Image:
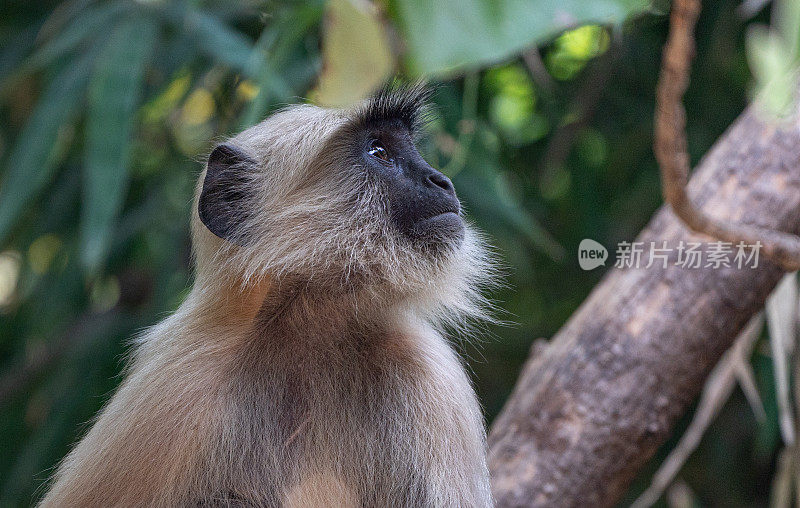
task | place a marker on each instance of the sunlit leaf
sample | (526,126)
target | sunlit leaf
(356,53)
(573,49)
(246,91)
(33,158)
(444,35)
(113,97)
(160,106)
(787,21)
(774,69)
(198,108)
(10,263)
(42,252)
(513,106)
(584,42)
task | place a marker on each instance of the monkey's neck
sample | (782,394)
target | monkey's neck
(294,306)
(297,334)
(302,308)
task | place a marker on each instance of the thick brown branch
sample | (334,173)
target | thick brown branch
(672,155)
(592,409)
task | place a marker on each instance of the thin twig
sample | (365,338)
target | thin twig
(781,492)
(747,381)
(781,320)
(533,60)
(673,157)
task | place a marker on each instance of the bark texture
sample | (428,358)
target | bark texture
(589,411)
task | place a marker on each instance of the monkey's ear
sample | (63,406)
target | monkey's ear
(224,199)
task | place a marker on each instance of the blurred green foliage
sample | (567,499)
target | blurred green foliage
(774,55)
(107,108)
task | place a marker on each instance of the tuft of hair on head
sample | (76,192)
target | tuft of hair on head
(396,101)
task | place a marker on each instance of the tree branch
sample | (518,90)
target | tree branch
(590,411)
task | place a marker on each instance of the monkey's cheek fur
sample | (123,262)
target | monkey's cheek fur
(444,230)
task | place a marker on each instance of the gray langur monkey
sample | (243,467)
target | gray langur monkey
(307,366)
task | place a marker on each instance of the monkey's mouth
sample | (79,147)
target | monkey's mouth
(442,228)
(439,209)
(444,217)
(430,222)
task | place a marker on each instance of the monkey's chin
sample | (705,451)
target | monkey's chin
(442,230)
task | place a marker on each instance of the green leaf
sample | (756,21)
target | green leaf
(15,48)
(273,51)
(113,98)
(444,35)
(774,70)
(212,35)
(34,156)
(787,23)
(487,196)
(90,23)
(219,41)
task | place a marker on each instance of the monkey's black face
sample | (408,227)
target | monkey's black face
(422,201)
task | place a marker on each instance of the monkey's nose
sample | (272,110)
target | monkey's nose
(438,179)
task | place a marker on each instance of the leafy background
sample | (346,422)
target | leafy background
(108,108)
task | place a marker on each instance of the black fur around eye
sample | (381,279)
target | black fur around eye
(376,149)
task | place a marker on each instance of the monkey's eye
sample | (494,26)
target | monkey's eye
(376,149)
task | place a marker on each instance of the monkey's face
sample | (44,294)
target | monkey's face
(422,203)
(336,194)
